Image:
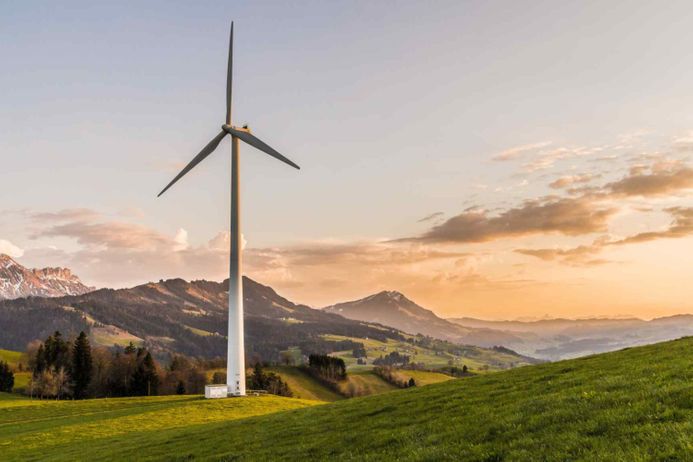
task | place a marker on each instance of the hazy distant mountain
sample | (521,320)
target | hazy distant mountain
(17,281)
(568,338)
(551,339)
(393,309)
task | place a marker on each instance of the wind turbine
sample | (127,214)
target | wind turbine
(235,366)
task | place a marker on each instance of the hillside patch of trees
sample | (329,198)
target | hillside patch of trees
(394,377)
(73,369)
(267,381)
(328,370)
(392,359)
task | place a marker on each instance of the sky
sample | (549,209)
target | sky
(496,159)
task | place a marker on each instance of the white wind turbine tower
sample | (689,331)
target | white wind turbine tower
(235,367)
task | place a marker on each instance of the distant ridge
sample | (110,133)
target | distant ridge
(561,338)
(394,309)
(17,281)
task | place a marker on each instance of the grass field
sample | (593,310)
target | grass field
(424,377)
(10,357)
(631,405)
(304,386)
(483,359)
(365,383)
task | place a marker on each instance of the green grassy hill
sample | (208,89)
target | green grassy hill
(10,357)
(476,358)
(14,358)
(304,386)
(631,405)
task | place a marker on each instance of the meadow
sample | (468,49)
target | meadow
(477,359)
(631,405)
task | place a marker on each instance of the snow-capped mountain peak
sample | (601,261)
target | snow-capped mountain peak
(16,281)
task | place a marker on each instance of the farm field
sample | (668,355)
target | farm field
(631,405)
(479,360)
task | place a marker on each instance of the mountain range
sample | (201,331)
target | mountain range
(550,339)
(184,317)
(554,339)
(18,281)
(190,318)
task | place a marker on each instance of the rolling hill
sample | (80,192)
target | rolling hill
(634,404)
(180,316)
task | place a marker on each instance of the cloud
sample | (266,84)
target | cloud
(582,255)
(588,210)
(181,239)
(72,214)
(430,217)
(570,180)
(569,216)
(110,235)
(661,181)
(378,254)
(518,151)
(118,253)
(680,226)
(684,143)
(8,248)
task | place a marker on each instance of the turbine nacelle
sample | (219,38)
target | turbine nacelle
(230,129)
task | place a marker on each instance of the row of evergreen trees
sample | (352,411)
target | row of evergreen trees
(393,359)
(327,367)
(74,369)
(61,368)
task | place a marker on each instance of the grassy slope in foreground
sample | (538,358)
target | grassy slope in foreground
(631,405)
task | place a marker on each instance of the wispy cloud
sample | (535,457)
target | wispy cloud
(430,217)
(8,248)
(519,151)
(570,180)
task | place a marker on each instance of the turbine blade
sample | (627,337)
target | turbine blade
(259,144)
(207,150)
(229,79)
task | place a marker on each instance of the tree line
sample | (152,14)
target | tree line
(392,359)
(394,377)
(328,367)
(73,369)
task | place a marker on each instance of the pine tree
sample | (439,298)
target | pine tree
(81,366)
(40,364)
(145,380)
(180,388)
(6,377)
